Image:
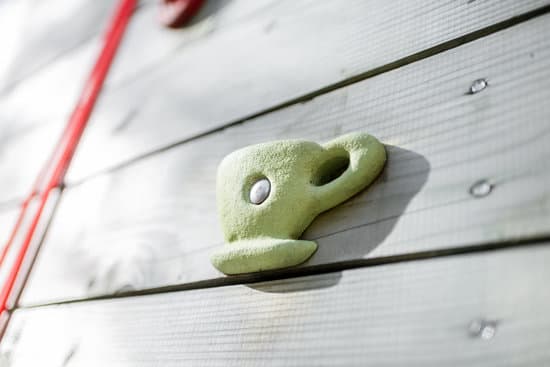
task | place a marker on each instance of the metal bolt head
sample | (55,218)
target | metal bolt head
(481,188)
(488,331)
(478,85)
(259,192)
(483,329)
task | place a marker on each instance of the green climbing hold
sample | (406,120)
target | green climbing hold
(269,193)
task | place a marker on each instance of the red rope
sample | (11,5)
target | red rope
(54,172)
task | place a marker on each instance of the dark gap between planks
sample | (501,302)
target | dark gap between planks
(337,266)
(442,47)
(282,274)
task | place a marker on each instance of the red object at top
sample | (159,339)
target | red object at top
(175,13)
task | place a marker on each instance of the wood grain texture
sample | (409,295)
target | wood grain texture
(35,33)
(488,309)
(278,53)
(32,117)
(47,52)
(148,46)
(45,71)
(154,223)
(8,217)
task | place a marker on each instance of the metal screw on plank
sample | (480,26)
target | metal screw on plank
(483,329)
(478,85)
(481,188)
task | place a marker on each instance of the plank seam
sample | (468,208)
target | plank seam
(308,270)
(52,174)
(418,56)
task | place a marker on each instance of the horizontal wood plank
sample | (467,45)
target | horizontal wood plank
(8,218)
(281,51)
(487,309)
(49,70)
(34,34)
(154,223)
(48,51)
(214,18)
(32,117)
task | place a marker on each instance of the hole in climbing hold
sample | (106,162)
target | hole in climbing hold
(260,191)
(330,170)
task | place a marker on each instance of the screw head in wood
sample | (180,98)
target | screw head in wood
(478,85)
(259,192)
(481,188)
(483,329)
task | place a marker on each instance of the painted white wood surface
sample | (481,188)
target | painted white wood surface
(276,51)
(487,309)
(34,34)
(48,48)
(32,117)
(8,218)
(154,223)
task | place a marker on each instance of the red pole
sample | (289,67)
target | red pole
(54,172)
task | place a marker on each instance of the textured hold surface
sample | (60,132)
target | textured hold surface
(259,254)
(306,180)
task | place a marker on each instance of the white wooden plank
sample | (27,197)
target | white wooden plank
(32,117)
(35,33)
(280,52)
(45,71)
(11,261)
(8,217)
(148,46)
(154,223)
(488,309)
